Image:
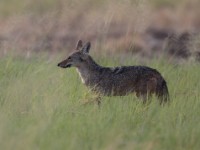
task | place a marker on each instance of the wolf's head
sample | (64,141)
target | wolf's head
(78,57)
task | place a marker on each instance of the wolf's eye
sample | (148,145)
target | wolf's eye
(69,58)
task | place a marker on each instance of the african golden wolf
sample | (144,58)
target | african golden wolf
(116,81)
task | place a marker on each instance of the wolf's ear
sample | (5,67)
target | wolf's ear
(79,45)
(86,47)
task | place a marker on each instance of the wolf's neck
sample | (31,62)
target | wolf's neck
(89,72)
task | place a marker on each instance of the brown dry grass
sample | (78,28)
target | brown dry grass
(139,26)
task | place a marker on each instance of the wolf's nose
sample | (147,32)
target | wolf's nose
(58,65)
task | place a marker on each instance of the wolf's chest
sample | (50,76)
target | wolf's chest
(87,78)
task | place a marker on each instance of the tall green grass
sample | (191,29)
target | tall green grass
(41,108)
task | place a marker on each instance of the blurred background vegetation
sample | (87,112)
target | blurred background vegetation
(148,28)
(41,105)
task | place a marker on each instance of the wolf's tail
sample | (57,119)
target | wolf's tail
(162,91)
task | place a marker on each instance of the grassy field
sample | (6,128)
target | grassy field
(40,108)
(41,105)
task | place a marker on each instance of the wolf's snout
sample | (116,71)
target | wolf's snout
(64,65)
(58,65)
